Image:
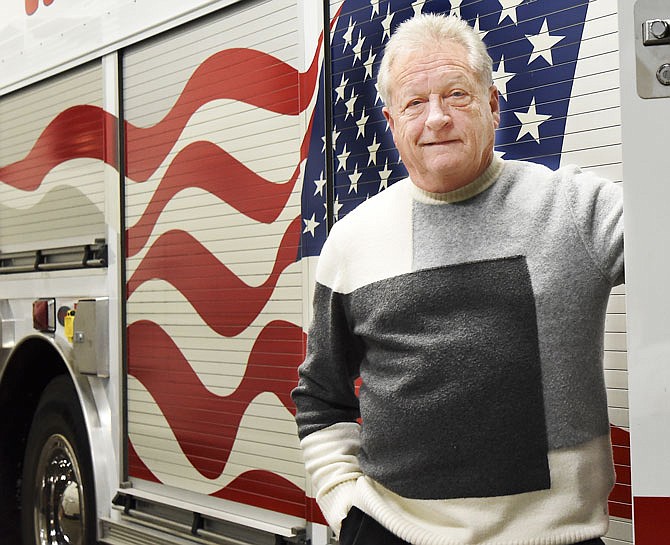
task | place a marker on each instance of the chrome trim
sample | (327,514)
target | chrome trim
(60,500)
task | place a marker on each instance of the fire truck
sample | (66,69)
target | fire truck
(168,174)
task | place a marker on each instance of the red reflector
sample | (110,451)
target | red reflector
(44,315)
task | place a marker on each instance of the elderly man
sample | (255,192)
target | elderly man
(473,311)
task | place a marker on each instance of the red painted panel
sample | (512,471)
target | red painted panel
(652,520)
(620,498)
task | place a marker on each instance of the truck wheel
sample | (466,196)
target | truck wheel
(57,494)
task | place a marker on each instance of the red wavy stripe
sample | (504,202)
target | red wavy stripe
(204,423)
(78,132)
(86,131)
(620,500)
(206,166)
(246,75)
(257,488)
(266,490)
(31,6)
(202,164)
(220,298)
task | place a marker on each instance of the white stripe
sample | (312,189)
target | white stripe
(159,449)
(81,174)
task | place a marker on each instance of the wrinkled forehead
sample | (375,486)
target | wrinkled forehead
(432,65)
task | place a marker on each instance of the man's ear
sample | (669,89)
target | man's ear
(494,102)
(388,117)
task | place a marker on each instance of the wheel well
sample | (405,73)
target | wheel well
(31,367)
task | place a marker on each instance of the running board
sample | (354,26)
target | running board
(132,532)
(141,522)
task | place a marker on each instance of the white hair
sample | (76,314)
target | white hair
(428,30)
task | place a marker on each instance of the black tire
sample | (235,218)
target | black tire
(57,490)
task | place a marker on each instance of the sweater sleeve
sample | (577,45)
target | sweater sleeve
(596,206)
(326,401)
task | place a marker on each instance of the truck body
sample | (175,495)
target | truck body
(168,174)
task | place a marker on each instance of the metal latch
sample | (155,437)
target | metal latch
(656,32)
(652,48)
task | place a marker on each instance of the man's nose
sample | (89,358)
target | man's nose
(438,113)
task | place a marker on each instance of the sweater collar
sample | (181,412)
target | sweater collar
(477,186)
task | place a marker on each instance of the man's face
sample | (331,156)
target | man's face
(442,119)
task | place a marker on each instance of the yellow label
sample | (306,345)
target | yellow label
(69,325)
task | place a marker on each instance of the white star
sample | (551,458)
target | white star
(373,151)
(530,122)
(475,27)
(358,48)
(386,23)
(509,6)
(455,8)
(336,135)
(325,214)
(319,185)
(336,207)
(368,65)
(341,88)
(375,7)
(310,225)
(349,34)
(378,96)
(361,123)
(384,176)
(417,5)
(542,44)
(353,179)
(500,77)
(351,104)
(342,158)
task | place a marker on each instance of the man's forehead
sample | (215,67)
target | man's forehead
(432,56)
(416,69)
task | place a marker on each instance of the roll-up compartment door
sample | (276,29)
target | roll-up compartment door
(214,125)
(53,153)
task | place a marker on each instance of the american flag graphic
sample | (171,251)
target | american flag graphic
(534,46)
(213,347)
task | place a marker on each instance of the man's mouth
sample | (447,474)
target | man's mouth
(439,143)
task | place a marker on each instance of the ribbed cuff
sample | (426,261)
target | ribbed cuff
(336,503)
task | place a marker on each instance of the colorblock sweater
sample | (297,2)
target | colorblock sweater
(475,320)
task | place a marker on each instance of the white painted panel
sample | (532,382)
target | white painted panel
(646,134)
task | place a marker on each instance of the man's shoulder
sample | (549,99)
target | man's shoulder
(378,208)
(538,179)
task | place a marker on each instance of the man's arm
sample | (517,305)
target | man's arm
(597,208)
(327,405)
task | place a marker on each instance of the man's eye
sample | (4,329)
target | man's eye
(414,107)
(458,98)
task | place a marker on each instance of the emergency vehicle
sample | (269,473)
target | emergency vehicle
(168,173)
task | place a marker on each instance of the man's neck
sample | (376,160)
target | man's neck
(467,191)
